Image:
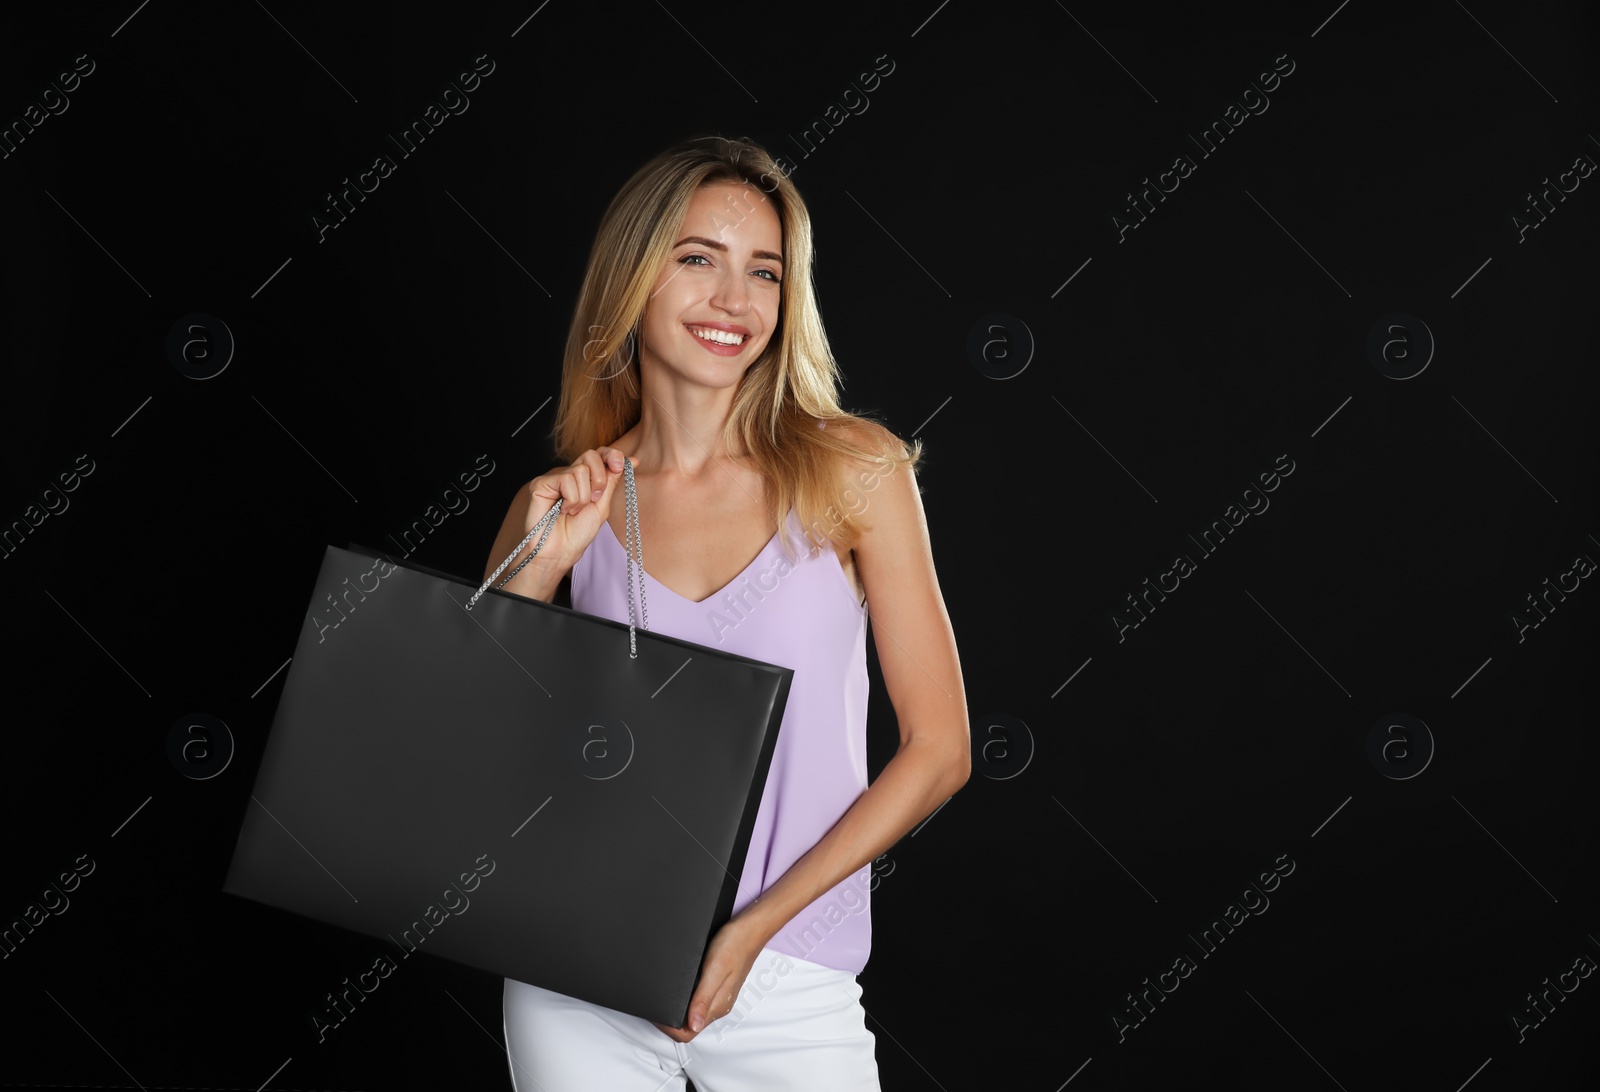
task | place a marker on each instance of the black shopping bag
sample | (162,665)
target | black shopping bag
(510,786)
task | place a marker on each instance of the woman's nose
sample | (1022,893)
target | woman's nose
(732,294)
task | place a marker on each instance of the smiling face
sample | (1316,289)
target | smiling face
(715,301)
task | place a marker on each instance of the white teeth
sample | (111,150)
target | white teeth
(721,337)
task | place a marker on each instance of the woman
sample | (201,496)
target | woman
(697,352)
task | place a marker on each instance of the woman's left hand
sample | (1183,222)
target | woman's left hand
(729,957)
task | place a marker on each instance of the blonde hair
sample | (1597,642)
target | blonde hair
(785,411)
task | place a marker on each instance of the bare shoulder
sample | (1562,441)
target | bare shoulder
(875,448)
(882,494)
(871,439)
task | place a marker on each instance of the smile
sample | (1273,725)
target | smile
(718,337)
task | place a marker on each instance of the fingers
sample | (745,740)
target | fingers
(583,483)
(689,1030)
(592,476)
(588,479)
(701,1015)
(577,487)
(562,485)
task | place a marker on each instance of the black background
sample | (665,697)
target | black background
(1228,330)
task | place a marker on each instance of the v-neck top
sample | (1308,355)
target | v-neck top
(804,616)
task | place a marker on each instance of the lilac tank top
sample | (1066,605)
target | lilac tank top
(803,616)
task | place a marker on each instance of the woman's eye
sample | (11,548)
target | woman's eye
(770,275)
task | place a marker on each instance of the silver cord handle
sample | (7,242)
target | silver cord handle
(635,543)
(634,539)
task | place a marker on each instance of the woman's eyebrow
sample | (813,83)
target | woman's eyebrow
(714,245)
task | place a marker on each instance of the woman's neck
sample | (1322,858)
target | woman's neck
(679,440)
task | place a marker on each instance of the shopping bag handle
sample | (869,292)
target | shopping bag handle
(635,542)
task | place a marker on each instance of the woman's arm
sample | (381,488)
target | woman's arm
(922,672)
(538,579)
(596,471)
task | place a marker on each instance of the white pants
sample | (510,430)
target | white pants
(796,1025)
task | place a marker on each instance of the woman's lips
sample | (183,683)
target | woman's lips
(714,346)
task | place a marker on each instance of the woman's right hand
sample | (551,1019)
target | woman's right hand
(585,490)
